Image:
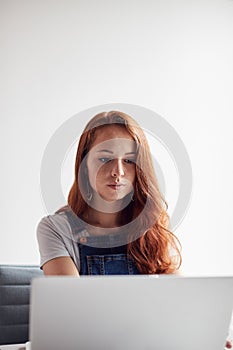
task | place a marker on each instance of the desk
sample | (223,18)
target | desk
(25,346)
(13,347)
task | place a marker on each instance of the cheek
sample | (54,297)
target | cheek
(95,175)
(132,175)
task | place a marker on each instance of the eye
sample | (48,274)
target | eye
(104,160)
(129,161)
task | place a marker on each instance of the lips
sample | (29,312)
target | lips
(116,186)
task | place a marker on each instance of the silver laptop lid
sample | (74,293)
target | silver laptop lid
(130,313)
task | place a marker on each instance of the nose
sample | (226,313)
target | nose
(118,168)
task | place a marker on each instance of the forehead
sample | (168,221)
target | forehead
(113,137)
(110,132)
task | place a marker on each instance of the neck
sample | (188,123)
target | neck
(101,219)
(105,214)
(109,207)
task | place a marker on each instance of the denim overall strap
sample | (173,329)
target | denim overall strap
(100,255)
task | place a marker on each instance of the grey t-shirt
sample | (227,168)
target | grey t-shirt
(58,235)
(56,239)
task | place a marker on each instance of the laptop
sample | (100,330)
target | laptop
(130,312)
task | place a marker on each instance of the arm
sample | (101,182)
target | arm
(57,254)
(60,266)
(228,344)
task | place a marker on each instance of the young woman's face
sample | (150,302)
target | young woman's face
(111,163)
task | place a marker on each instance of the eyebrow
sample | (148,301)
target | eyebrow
(107,151)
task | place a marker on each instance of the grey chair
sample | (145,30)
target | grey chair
(15,283)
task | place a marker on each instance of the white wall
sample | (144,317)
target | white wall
(173,57)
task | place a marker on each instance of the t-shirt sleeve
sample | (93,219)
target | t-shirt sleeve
(50,240)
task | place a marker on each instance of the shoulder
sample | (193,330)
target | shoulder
(56,224)
(55,238)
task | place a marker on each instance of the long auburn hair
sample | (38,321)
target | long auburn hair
(151,250)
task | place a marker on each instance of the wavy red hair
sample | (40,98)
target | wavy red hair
(154,243)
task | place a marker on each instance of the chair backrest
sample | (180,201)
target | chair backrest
(15,283)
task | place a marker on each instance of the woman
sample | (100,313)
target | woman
(116,220)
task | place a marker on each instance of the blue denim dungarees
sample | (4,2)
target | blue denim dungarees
(95,260)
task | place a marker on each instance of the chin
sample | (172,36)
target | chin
(116,198)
